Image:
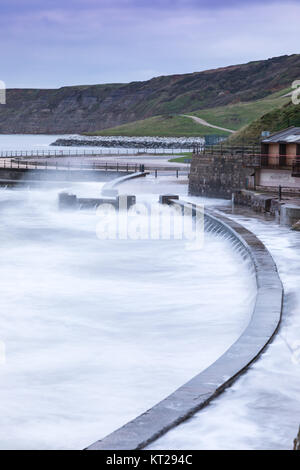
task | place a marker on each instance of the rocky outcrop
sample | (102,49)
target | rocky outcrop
(90,108)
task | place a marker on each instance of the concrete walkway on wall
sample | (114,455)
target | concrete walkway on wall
(200,390)
(207,124)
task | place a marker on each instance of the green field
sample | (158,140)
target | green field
(181,159)
(236,116)
(161,126)
(233,116)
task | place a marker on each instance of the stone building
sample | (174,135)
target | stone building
(220,170)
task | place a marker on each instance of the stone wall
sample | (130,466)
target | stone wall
(218,176)
(258,202)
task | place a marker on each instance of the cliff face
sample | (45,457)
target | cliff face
(91,108)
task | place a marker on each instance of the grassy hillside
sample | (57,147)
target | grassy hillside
(232,116)
(170,126)
(92,108)
(235,116)
(274,121)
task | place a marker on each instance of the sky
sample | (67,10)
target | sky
(51,43)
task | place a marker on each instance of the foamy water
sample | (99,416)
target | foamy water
(97,331)
(262,409)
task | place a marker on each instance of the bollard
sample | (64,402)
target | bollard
(130,201)
(155,173)
(279,193)
(167,198)
(177,173)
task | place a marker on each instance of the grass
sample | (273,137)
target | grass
(274,121)
(233,116)
(161,126)
(181,159)
(236,116)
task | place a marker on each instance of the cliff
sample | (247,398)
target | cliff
(91,108)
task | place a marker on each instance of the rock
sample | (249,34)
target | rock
(140,143)
(296,226)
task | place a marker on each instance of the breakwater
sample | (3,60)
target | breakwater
(186,143)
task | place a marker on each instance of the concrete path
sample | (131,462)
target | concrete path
(205,123)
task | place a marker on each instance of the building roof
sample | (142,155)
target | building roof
(287,136)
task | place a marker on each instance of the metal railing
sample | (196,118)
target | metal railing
(93,152)
(268,161)
(227,150)
(16,163)
(45,165)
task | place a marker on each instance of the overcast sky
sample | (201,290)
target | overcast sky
(51,43)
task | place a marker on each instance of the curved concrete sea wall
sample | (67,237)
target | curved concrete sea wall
(204,387)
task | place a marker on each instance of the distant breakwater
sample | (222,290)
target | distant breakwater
(131,142)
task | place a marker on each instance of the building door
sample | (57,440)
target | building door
(282,154)
(264,154)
